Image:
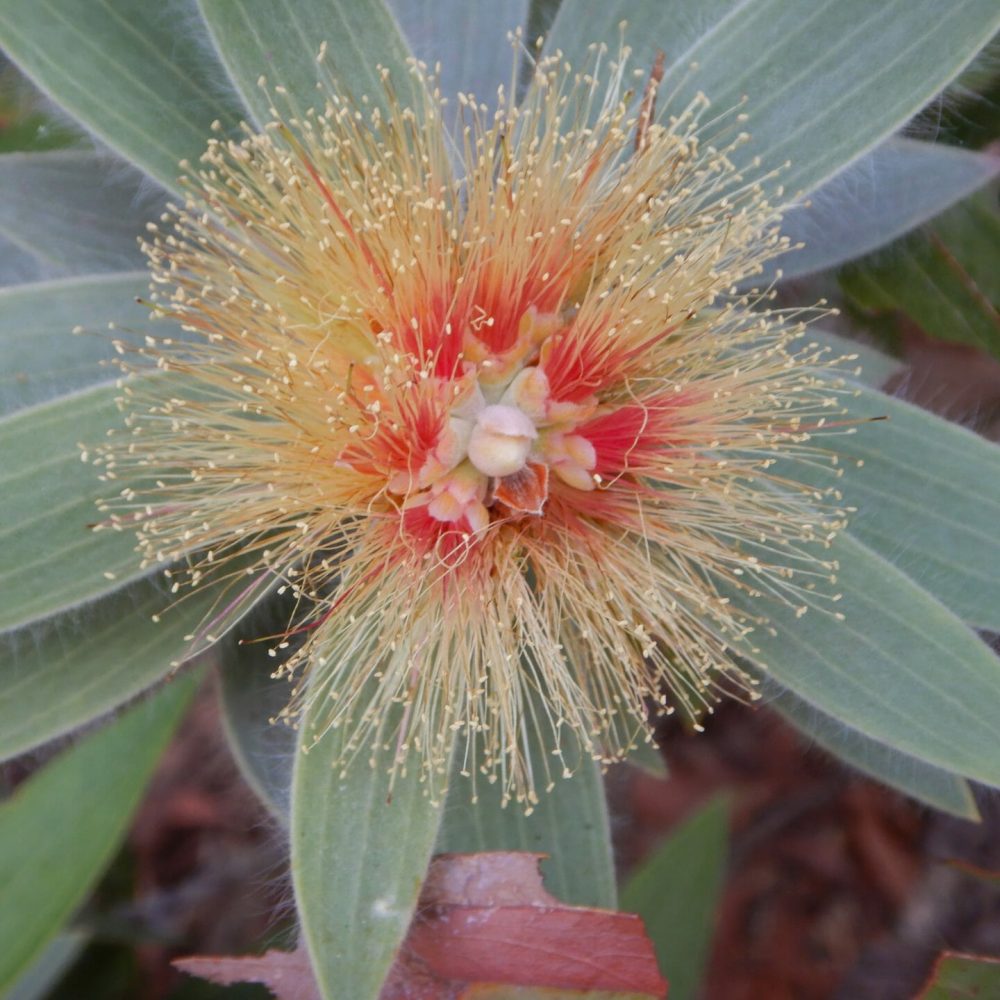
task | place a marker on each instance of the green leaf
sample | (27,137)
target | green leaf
(927,494)
(136,73)
(52,557)
(43,357)
(938,789)
(945,280)
(963,977)
(824,82)
(896,187)
(280,39)
(360,848)
(59,674)
(676,892)
(264,750)
(75,212)
(968,113)
(38,981)
(970,233)
(469,40)
(61,827)
(899,668)
(24,125)
(569,823)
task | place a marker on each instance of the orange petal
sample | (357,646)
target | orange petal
(525,491)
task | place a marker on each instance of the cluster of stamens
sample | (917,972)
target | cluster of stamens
(439,406)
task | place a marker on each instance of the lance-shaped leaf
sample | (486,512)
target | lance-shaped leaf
(61,827)
(281,40)
(956,977)
(53,558)
(41,977)
(541,14)
(896,187)
(468,40)
(361,841)
(137,74)
(252,699)
(944,279)
(939,789)
(887,658)
(74,210)
(927,494)
(824,83)
(54,335)
(569,824)
(676,891)
(61,673)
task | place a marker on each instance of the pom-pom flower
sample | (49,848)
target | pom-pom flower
(492,408)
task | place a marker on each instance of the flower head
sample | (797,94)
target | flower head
(492,408)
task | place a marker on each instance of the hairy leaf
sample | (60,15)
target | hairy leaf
(137,74)
(54,334)
(281,39)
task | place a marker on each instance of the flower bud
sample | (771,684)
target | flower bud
(501,440)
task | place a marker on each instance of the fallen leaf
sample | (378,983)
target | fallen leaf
(287,974)
(486,918)
(484,928)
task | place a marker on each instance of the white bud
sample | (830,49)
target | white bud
(501,440)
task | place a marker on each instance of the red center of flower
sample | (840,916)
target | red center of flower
(489,444)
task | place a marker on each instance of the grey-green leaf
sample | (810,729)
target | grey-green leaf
(77,212)
(281,39)
(52,557)
(676,892)
(17,266)
(896,187)
(469,40)
(824,82)
(939,789)
(251,698)
(360,849)
(675,26)
(927,494)
(569,824)
(899,668)
(39,979)
(62,826)
(59,674)
(43,357)
(138,74)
